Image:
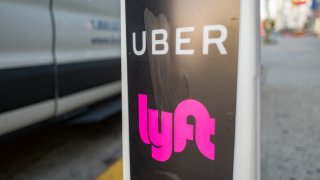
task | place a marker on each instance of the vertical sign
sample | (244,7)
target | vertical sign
(181,61)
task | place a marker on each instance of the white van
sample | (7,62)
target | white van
(56,56)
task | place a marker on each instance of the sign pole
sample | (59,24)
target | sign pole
(124,94)
(194,73)
(247,144)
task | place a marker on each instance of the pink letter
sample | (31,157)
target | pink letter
(182,130)
(143,122)
(161,141)
(205,127)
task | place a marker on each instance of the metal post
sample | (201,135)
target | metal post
(247,145)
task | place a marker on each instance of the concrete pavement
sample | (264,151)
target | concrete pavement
(290,109)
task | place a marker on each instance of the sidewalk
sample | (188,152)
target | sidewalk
(290,110)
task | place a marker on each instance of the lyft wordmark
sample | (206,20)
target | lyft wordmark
(174,130)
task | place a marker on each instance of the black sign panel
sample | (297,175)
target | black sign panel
(182,61)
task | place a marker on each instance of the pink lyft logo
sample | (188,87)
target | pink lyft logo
(175,131)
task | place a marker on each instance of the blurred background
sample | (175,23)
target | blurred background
(290,108)
(60,89)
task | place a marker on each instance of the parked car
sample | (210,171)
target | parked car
(56,56)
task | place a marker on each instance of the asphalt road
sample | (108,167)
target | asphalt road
(290,127)
(63,152)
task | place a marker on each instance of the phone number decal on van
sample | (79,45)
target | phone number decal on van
(105,25)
